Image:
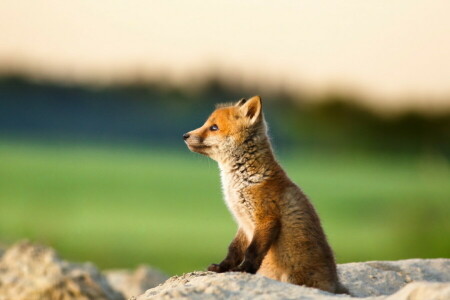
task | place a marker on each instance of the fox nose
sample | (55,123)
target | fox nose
(186,136)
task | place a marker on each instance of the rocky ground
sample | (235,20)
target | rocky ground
(30,272)
(34,272)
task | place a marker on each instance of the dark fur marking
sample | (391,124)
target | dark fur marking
(263,239)
(235,254)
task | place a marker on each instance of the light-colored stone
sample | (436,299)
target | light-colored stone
(423,291)
(408,279)
(376,278)
(134,283)
(208,285)
(33,272)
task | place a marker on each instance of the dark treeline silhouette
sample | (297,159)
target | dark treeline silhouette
(150,112)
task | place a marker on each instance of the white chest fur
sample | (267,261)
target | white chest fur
(234,199)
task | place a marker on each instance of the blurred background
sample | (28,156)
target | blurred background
(95,97)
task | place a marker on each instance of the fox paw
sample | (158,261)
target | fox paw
(215,268)
(245,267)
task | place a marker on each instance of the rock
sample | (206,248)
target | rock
(423,291)
(376,278)
(408,279)
(31,272)
(34,272)
(135,283)
(208,285)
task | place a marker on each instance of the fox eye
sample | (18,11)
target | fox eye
(214,128)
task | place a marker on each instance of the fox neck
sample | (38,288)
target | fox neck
(250,163)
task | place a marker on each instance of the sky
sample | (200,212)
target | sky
(394,53)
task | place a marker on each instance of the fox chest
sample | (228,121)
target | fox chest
(241,207)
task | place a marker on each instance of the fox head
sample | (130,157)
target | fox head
(227,129)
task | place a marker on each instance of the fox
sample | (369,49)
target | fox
(279,232)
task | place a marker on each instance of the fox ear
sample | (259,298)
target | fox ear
(240,102)
(252,108)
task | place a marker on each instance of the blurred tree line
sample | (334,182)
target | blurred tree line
(154,112)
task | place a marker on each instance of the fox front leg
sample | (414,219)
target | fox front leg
(235,254)
(264,236)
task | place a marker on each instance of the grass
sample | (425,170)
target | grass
(120,207)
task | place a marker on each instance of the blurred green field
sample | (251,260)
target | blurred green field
(123,206)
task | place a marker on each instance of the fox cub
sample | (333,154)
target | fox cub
(279,233)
